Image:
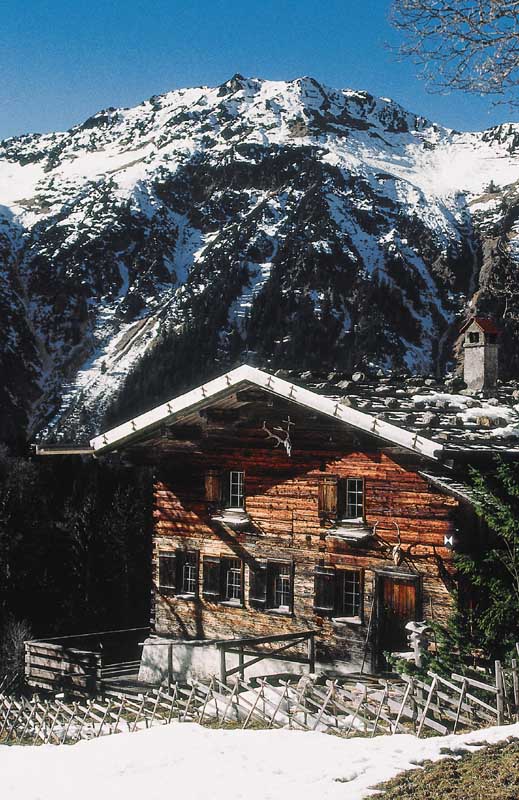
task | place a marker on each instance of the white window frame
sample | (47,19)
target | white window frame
(234,581)
(349,595)
(354,491)
(236,489)
(189,574)
(282,588)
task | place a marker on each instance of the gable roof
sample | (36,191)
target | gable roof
(485,324)
(240,377)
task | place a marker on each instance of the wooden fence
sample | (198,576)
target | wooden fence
(345,707)
(55,667)
(82,663)
(281,643)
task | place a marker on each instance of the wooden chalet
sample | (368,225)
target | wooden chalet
(280,509)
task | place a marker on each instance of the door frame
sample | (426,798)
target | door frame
(397,574)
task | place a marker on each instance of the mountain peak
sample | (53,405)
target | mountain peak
(148,246)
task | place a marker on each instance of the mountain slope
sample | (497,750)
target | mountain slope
(288,223)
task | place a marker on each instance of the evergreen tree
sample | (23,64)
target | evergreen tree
(492,566)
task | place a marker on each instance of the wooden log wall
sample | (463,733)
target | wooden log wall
(282,502)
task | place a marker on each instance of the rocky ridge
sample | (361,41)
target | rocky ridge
(283,223)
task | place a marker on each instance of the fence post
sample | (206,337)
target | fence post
(500,693)
(241,662)
(223,670)
(170,665)
(311,653)
(515,683)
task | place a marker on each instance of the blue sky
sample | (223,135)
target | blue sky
(63,60)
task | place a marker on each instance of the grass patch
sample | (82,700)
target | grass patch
(491,773)
(234,725)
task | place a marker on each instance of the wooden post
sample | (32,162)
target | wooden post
(368,634)
(515,683)
(311,653)
(432,689)
(241,662)
(223,670)
(500,693)
(412,702)
(460,704)
(170,664)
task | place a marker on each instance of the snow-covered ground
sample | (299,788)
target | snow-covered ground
(189,761)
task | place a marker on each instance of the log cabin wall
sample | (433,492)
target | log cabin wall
(282,501)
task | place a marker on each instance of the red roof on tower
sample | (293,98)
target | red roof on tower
(486,325)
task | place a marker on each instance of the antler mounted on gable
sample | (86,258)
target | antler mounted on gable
(284,439)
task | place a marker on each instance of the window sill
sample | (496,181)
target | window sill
(347,620)
(282,612)
(232,516)
(186,596)
(231,603)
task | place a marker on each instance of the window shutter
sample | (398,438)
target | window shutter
(167,572)
(211,586)
(328,495)
(225,490)
(224,568)
(213,486)
(258,587)
(180,557)
(324,602)
(272,569)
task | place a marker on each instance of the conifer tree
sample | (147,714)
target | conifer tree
(492,566)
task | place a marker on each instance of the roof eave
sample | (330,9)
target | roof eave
(235,379)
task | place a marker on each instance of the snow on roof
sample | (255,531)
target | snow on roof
(246,375)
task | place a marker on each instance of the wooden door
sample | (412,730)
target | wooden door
(398,600)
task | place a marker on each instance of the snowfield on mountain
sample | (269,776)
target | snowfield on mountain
(258,218)
(258,765)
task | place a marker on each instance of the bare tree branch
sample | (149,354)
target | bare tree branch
(469,45)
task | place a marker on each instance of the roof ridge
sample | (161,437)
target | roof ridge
(198,397)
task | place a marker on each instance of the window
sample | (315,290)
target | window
(178,572)
(223,579)
(473,337)
(341,498)
(236,496)
(348,593)
(272,586)
(354,498)
(282,586)
(225,488)
(189,574)
(338,592)
(233,571)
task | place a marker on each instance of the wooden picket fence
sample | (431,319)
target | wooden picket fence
(344,707)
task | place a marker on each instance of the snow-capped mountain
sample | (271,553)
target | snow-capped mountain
(283,222)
